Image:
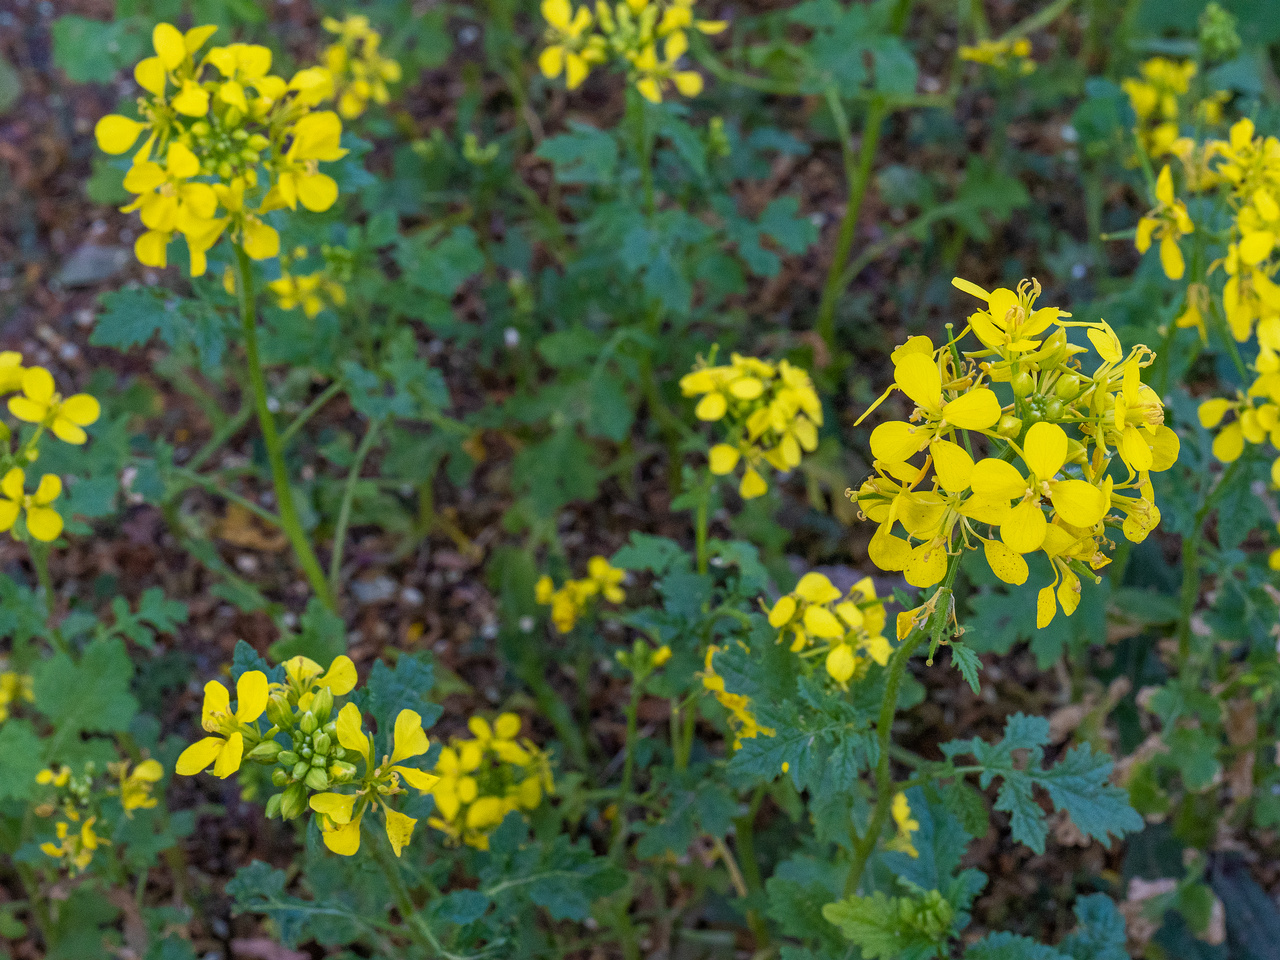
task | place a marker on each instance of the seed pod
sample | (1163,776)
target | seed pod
(308,723)
(287,758)
(265,752)
(273,805)
(293,801)
(322,744)
(317,779)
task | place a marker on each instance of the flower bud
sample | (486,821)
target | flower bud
(308,723)
(317,779)
(1009,426)
(265,752)
(279,712)
(273,805)
(293,801)
(279,777)
(288,758)
(322,744)
(1068,387)
(1076,452)
(322,705)
(1053,410)
(339,753)
(300,769)
(1023,384)
(341,772)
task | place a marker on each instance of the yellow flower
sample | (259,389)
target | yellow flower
(43,522)
(1001,54)
(906,825)
(41,403)
(1169,220)
(241,65)
(652,72)
(226,749)
(136,785)
(569,49)
(360,73)
(77,847)
(742,718)
(850,627)
(298,178)
(14,687)
(606,579)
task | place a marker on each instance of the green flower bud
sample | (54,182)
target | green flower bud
(331,728)
(265,752)
(339,753)
(1053,410)
(322,705)
(279,712)
(279,777)
(293,801)
(341,772)
(322,744)
(288,758)
(308,723)
(1023,384)
(317,779)
(1068,387)
(273,805)
(306,752)
(1076,452)
(300,769)
(1009,426)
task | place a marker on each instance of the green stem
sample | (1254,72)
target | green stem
(618,843)
(220,436)
(865,846)
(857,174)
(348,498)
(329,392)
(700,524)
(413,923)
(40,560)
(208,483)
(1191,560)
(289,521)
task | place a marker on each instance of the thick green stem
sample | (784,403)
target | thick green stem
(289,521)
(348,498)
(863,847)
(857,174)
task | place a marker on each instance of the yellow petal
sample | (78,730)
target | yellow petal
(784,610)
(116,134)
(927,565)
(722,458)
(711,407)
(251,696)
(350,730)
(338,807)
(997,479)
(409,739)
(1172,260)
(816,588)
(44,523)
(753,485)
(976,410)
(575,70)
(895,441)
(150,76)
(1134,448)
(169,45)
(917,376)
(399,829)
(217,702)
(953,465)
(970,288)
(344,840)
(1004,562)
(551,61)
(229,756)
(317,193)
(8,514)
(81,409)
(1046,608)
(418,779)
(1023,530)
(1045,449)
(1227,445)
(341,676)
(821,622)
(261,241)
(1079,503)
(151,249)
(1212,411)
(841,663)
(887,551)
(198,756)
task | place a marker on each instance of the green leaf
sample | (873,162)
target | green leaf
(90,51)
(156,615)
(10,86)
(647,552)
(21,758)
(1101,935)
(1010,946)
(584,155)
(92,695)
(886,928)
(461,906)
(322,636)
(244,658)
(404,688)
(968,663)
(1079,784)
(439,265)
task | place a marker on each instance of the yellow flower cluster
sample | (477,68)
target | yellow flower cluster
(77,801)
(741,717)
(649,36)
(36,400)
(1167,222)
(771,412)
(1064,495)
(213,124)
(1245,169)
(848,628)
(906,825)
(484,777)
(1004,55)
(14,689)
(360,73)
(570,601)
(1155,98)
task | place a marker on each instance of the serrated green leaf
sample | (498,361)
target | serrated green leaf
(92,695)
(21,758)
(1010,946)
(968,663)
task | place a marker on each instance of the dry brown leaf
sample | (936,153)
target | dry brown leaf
(241,528)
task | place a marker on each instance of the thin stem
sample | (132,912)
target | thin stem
(857,174)
(1036,21)
(220,436)
(40,560)
(348,498)
(417,930)
(329,392)
(289,521)
(628,772)
(1191,560)
(700,524)
(208,483)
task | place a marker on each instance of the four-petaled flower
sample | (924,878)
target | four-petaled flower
(225,748)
